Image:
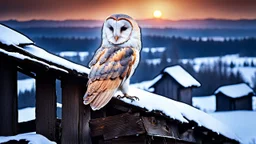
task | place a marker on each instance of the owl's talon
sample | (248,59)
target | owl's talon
(132,98)
(119,97)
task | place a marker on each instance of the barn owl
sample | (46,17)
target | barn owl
(114,62)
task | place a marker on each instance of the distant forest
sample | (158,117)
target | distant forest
(187,48)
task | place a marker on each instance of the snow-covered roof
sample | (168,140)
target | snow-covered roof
(11,37)
(235,91)
(182,76)
(242,122)
(24,49)
(32,138)
(178,111)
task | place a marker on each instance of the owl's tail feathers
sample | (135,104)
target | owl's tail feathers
(99,93)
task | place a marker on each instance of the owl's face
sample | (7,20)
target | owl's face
(117,31)
(121,30)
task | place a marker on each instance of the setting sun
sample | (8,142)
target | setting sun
(157,13)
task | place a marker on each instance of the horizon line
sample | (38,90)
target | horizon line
(240,19)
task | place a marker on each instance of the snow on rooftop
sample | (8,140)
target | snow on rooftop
(23,57)
(182,76)
(206,120)
(205,103)
(11,37)
(178,111)
(32,137)
(235,91)
(242,122)
(55,59)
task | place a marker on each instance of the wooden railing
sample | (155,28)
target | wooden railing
(75,116)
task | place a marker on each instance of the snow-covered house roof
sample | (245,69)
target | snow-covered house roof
(178,111)
(12,37)
(235,91)
(178,74)
(22,49)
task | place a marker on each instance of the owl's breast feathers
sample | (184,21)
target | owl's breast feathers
(109,67)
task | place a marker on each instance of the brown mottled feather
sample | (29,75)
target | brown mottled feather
(109,67)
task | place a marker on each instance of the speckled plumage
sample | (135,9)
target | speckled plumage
(115,61)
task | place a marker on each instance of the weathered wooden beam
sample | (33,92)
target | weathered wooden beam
(117,126)
(8,97)
(46,105)
(136,139)
(188,136)
(155,126)
(75,116)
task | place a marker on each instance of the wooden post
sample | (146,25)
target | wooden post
(75,115)
(46,106)
(8,97)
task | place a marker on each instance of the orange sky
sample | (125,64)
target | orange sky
(139,9)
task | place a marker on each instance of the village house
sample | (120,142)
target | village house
(234,97)
(176,83)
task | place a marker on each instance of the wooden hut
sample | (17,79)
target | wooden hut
(176,83)
(19,53)
(152,119)
(234,97)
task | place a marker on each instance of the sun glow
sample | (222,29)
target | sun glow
(157,14)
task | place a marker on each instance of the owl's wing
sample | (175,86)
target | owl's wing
(109,67)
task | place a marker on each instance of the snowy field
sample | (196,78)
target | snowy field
(32,137)
(241,122)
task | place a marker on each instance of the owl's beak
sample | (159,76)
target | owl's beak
(116,38)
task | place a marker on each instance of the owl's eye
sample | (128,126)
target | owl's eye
(123,28)
(111,28)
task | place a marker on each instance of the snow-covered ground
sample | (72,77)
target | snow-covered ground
(242,122)
(29,113)
(26,85)
(205,103)
(33,138)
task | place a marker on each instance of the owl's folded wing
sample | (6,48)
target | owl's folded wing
(109,67)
